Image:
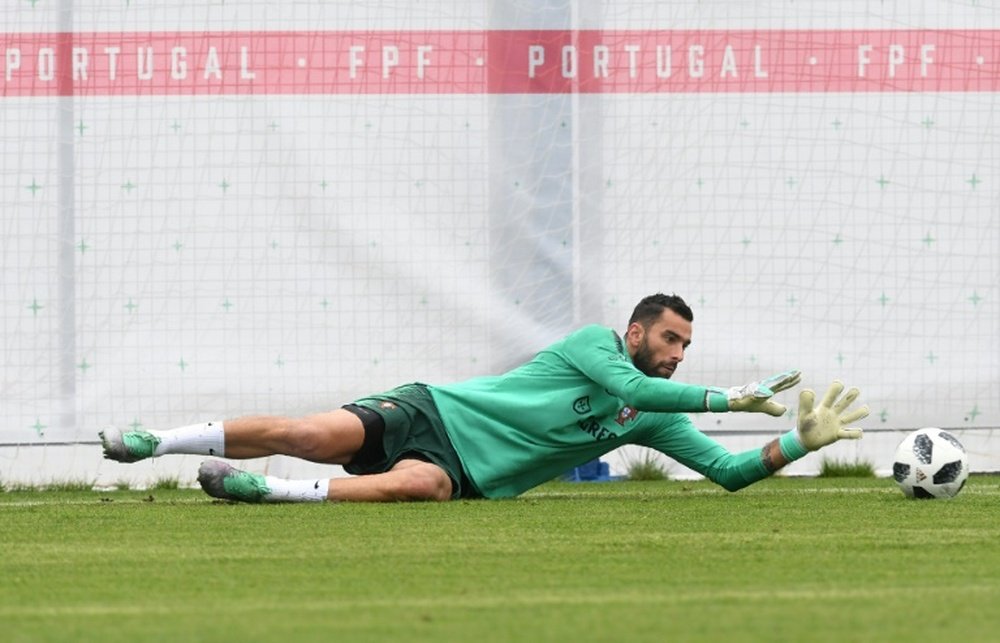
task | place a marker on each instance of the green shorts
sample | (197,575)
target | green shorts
(410,428)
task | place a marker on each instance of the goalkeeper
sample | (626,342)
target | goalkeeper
(498,436)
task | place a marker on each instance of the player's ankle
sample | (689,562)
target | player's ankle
(206,438)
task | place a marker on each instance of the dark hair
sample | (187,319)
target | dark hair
(650,308)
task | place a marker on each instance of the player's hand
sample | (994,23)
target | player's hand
(828,422)
(755,397)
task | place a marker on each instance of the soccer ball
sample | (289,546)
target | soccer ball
(930,463)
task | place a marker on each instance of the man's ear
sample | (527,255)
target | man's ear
(634,334)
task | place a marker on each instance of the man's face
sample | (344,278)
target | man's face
(658,349)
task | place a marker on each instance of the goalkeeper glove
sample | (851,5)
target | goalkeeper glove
(754,397)
(826,423)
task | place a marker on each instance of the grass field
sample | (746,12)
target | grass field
(784,560)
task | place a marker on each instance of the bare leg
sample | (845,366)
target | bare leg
(330,438)
(408,480)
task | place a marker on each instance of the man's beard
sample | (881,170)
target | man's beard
(643,360)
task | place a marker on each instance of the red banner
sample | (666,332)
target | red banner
(502,62)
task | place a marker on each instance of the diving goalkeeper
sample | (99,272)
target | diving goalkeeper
(498,436)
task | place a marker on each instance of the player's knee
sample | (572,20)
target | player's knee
(425,482)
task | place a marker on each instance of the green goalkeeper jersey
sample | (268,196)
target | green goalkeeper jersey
(576,400)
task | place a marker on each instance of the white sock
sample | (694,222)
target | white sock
(283,490)
(206,438)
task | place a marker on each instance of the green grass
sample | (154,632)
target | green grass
(165,484)
(784,560)
(645,467)
(834,468)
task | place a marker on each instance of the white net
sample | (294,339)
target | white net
(204,251)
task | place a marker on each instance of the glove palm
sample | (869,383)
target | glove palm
(827,423)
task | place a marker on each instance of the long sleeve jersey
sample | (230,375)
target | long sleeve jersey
(575,401)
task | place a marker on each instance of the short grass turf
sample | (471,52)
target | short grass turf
(783,560)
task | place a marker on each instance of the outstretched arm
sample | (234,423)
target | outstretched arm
(601,355)
(754,397)
(817,427)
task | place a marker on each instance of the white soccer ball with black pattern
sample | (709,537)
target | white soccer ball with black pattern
(930,463)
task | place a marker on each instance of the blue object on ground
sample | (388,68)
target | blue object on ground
(593,471)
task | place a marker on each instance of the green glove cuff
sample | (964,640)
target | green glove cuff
(716,400)
(791,446)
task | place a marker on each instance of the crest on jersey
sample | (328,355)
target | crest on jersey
(582,405)
(627,413)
